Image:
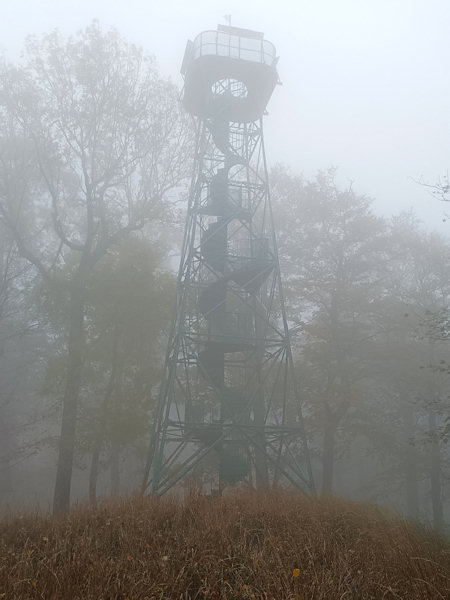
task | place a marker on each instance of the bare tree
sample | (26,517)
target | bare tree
(439,190)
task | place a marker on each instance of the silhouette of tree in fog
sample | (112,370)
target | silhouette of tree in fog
(427,289)
(127,312)
(101,142)
(16,325)
(333,251)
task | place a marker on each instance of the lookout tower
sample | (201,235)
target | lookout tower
(228,407)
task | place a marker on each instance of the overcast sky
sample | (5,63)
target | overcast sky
(365,87)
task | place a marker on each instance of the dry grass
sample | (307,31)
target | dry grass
(246,546)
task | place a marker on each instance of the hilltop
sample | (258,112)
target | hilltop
(275,545)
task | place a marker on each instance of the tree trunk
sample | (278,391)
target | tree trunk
(410,461)
(329,440)
(61,499)
(435,451)
(260,448)
(93,473)
(5,453)
(115,471)
(261,469)
(412,485)
(435,473)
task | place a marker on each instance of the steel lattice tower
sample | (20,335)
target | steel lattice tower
(228,402)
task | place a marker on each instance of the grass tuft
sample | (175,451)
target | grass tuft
(252,546)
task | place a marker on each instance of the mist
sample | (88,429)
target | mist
(192,306)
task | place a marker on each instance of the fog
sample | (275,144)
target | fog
(364,83)
(96,165)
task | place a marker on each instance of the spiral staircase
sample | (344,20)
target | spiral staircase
(229,409)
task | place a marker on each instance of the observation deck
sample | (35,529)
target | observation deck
(229,73)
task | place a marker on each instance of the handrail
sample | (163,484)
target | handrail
(221,43)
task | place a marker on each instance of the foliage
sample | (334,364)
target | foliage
(128,299)
(334,252)
(93,141)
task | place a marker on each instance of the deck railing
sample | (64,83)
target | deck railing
(221,43)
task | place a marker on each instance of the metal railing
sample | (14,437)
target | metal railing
(220,43)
